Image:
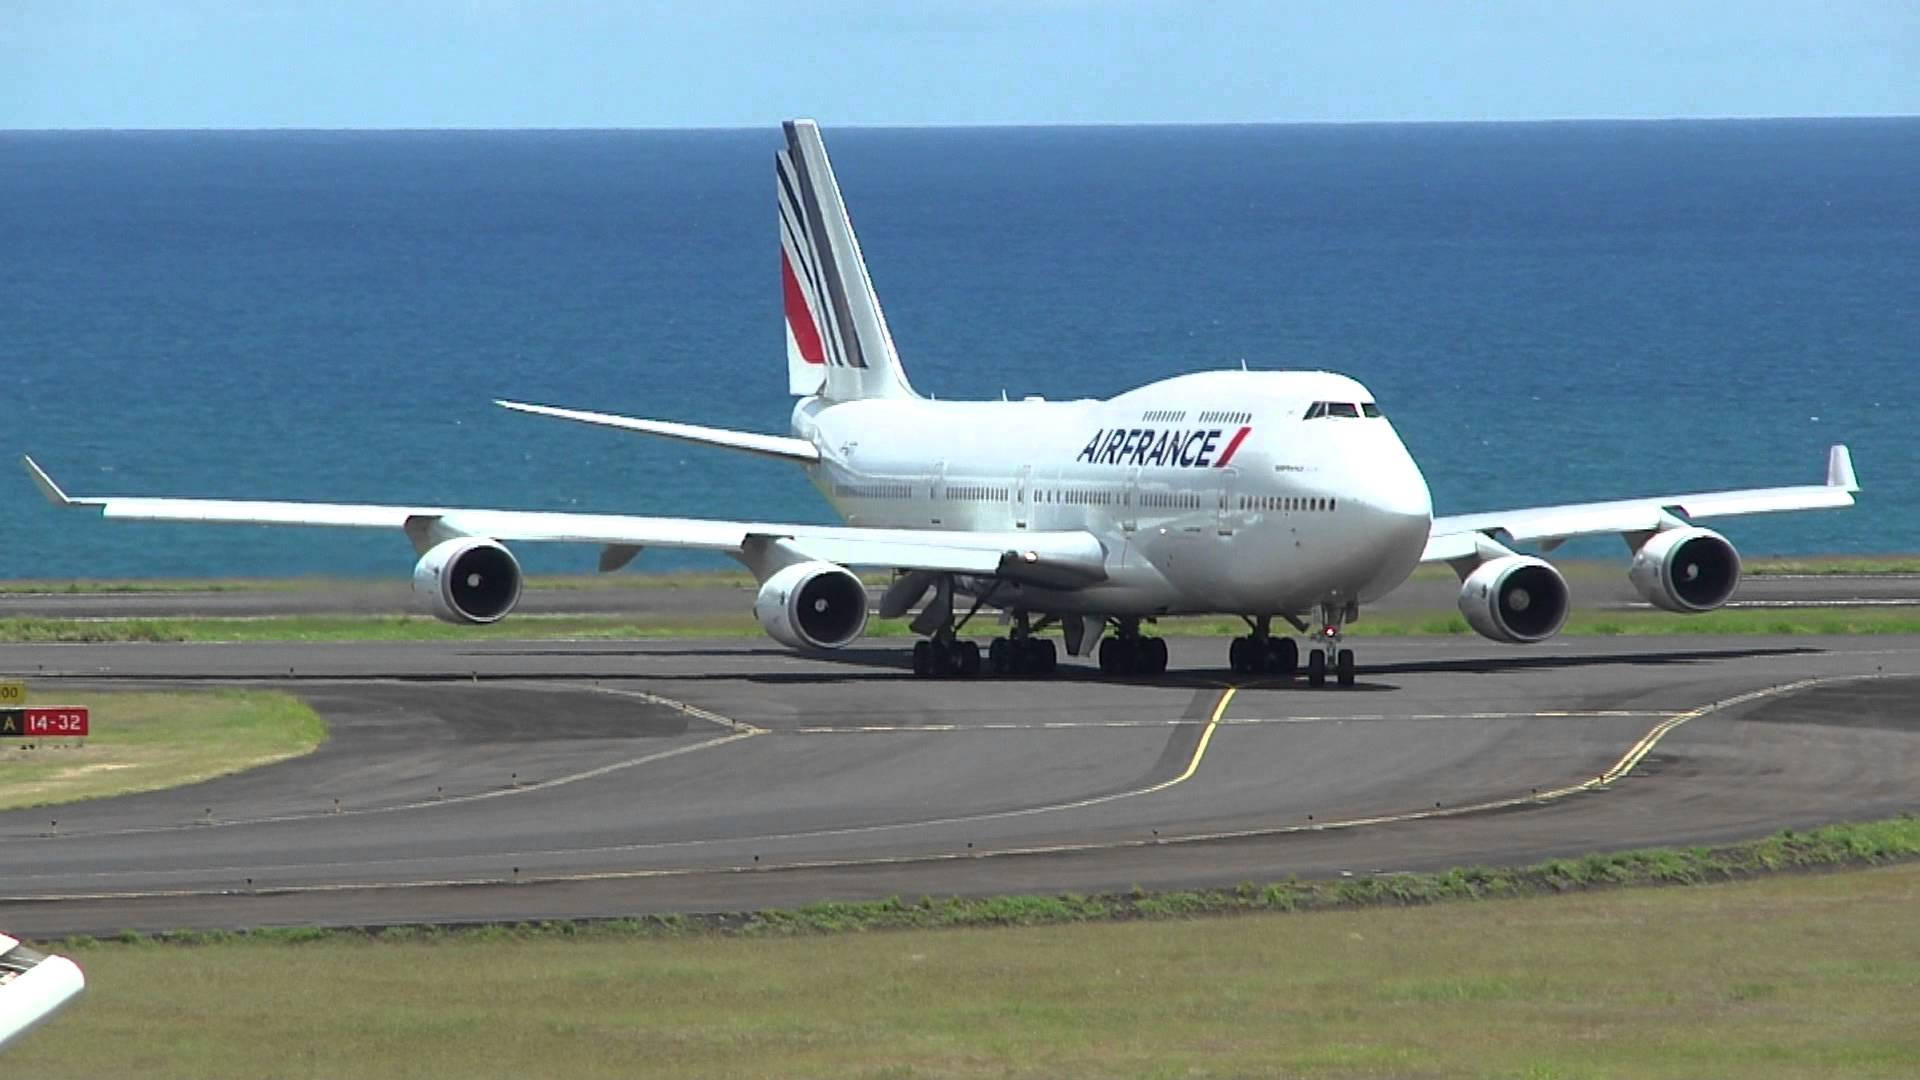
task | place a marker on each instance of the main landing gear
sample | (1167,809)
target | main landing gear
(1021,653)
(945,653)
(1260,653)
(1128,653)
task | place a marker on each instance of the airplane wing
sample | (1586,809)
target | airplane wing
(33,986)
(1469,536)
(1057,559)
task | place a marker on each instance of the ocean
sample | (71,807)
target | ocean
(1548,311)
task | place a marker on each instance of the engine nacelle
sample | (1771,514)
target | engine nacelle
(812,605)
(1517,599)
(469,580)
(1686,570)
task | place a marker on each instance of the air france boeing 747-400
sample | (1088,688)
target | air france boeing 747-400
(1263,494)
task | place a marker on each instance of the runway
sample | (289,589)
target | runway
(559,780)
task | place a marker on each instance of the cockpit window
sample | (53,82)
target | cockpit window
(1341,408)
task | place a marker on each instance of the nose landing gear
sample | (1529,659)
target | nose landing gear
(1327,651)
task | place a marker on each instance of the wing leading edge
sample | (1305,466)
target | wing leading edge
(1463,536)
(1061,559)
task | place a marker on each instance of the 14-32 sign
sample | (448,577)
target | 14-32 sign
(69,721)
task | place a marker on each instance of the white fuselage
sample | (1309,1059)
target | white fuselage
(1211,492)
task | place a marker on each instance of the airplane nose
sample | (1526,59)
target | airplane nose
(1392,486)
(1399,509)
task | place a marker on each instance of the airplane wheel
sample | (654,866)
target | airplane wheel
(1000,656)
(1237,654)
(923,658)
(1153,656)
(1283,656)
(1343,667)
(1317,668)
(1040,657)
(1106,657)
(966,658)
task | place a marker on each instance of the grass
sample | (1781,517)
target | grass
(146,741)
(1784,976)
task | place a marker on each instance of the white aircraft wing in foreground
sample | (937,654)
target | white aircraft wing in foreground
(33,986)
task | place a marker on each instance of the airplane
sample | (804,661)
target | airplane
(1268,495)
(33,986)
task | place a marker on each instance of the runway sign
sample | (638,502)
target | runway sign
(13,693)
(70,721)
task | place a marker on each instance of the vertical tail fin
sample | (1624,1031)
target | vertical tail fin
(838,344)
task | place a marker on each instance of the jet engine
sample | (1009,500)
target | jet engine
(469,579)
(812,605)
(1517,599)
(1686,570)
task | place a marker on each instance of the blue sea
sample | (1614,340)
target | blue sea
(1548,311)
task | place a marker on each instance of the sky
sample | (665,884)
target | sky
(731,63)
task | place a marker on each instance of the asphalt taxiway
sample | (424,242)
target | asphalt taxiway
(512,780)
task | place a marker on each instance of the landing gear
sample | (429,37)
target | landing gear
(946,654)
(1327,651)
(1260,653)
(1021,653)
(941,657)
(1128,653)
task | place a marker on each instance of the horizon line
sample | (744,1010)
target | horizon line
(889,126)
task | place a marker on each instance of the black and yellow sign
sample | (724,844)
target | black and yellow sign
(13,693)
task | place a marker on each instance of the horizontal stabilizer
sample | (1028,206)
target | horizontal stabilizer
(774,446)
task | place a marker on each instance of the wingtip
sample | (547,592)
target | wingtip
(44,482)
(1840,472)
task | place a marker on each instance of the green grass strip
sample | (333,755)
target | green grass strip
(1828,848)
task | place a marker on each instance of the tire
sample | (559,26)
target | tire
(1107,657)
(1153,658)
(1001,655)
(966,658)
(922,659)
(1041,658)
(1237,654)
(1283,656)
(1343,667)
(1317,668)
